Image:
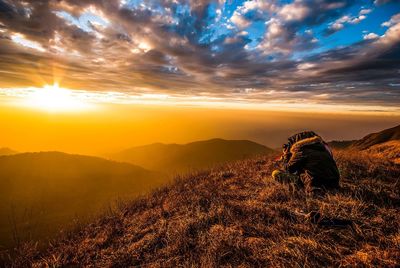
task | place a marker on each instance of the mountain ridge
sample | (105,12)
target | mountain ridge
(377,138)
(193,155)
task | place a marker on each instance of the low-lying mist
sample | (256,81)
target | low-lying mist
(112,129)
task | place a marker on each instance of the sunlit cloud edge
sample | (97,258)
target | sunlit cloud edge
(79,100)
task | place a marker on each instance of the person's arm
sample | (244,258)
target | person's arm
(281,162)
(295,162)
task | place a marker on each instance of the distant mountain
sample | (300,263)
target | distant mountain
(7,151)
(42,192)
(340,144)
(377,138)
(195,155)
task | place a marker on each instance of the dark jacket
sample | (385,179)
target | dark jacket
(312,159)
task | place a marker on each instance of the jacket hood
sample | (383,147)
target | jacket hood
(301,136)
(308,141)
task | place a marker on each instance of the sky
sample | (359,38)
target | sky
(334,52)
(252,58)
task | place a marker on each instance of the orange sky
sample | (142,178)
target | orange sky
(112,127)
(93,77)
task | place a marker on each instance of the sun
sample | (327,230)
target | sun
(53,98)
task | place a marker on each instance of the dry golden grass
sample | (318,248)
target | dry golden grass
(389,150)
(237,216)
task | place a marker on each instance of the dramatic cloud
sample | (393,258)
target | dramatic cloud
(257,51)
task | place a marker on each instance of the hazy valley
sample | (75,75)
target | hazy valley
(42,193)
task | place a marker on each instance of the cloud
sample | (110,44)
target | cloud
(19,39)
(288,19)
(340,23)
(382,2)
(393,20)
(370,36)
(279,40)
(239,20)
(391,36)
(377,67)
(251,11)
(269,6)
(296,11)
(186,47)
(365,11)
(306,66)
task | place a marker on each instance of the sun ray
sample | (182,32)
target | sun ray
(53,98)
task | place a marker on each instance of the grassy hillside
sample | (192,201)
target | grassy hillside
(237,216)
(385,143)
(390,150)
(43,192)
(196,155)
(377,138)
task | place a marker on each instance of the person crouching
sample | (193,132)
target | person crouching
(307,162)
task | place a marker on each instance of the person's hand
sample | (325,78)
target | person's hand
(286,157)
(278,163)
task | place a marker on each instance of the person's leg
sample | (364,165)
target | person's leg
(309,185)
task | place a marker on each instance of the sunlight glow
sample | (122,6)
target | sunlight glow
(53,98)
(142,47)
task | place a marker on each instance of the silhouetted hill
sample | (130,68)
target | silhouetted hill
(369,140)
(7,151)
(191,156)
(377,138)
(237,216)
(340,144)
(43,192)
